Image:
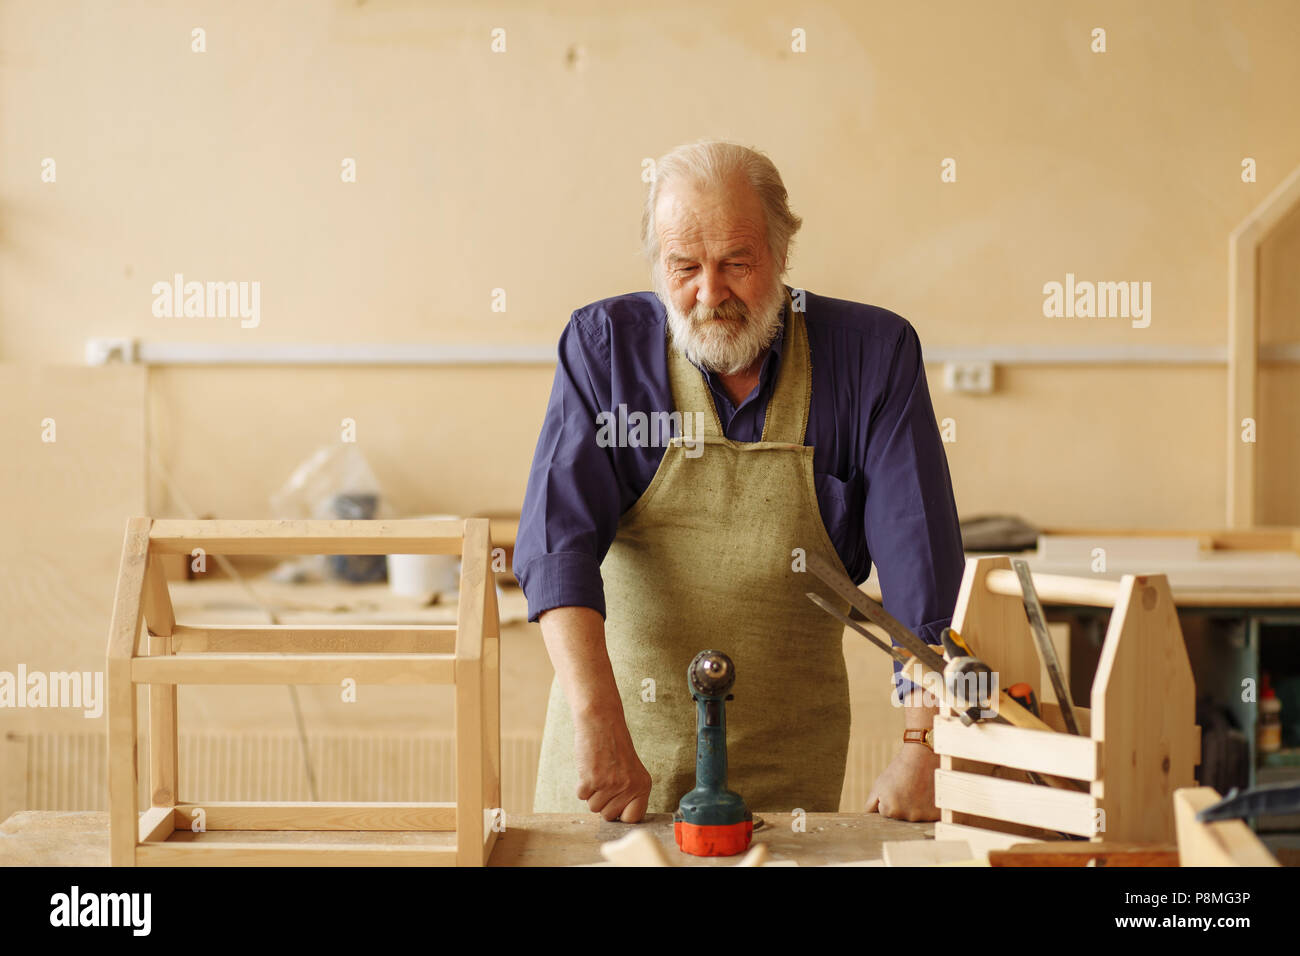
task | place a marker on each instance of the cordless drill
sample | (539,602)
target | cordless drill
(711,820)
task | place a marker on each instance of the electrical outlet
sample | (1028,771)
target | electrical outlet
(105,351)
(976,377)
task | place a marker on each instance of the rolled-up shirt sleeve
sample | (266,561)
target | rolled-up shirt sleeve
(912,529)
(572,502)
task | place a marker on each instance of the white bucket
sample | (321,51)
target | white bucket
(425,576)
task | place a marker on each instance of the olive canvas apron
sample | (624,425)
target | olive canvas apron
(706,558)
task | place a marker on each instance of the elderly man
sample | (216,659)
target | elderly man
(806,426)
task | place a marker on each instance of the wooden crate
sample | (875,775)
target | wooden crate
(165,654)
(1138,741)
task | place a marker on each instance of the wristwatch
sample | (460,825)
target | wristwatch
(919,737)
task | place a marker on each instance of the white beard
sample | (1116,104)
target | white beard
(727,339)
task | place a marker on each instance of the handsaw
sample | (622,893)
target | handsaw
(873,612)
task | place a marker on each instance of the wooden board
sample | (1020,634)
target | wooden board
(46,838)
(1144,714)
(925,852)
(1221,843)
(1075,853)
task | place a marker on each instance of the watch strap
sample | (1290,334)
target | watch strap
(919,737)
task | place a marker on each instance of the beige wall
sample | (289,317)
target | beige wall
(522,171)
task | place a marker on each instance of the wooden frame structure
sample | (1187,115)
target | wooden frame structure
(165,654)
(1243,342)
(1138,742)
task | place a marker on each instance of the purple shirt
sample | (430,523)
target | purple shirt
(879,465)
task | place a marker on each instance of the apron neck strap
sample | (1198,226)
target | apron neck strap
(786,420)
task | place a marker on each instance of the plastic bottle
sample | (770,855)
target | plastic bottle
(1268,733)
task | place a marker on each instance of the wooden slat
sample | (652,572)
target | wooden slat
(372,536)
(492,699)
(128,613)
(159,616)
(471,622)
(296,669)
(1056,588)
(1221,843)
(316,639)
(164,734)
(1275,538)
(924,852)
(1063,755)
(1051,714)
(156,823)
(1024,803)
(226,815)
(196,853)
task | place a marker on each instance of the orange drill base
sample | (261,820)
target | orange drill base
(726,840)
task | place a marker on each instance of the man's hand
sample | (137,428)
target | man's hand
(611,777)
(905,791)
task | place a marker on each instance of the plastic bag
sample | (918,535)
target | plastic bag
(335,482)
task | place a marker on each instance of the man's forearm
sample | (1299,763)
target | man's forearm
(575,641)
(915,715)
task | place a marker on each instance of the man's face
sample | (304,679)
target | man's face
(716,277)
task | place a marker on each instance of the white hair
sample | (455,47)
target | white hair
(711,163)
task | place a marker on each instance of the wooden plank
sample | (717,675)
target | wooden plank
(1144,714)
(925,852)
(164,733)
(1055,589)
(128,614)
(227,815)
(316,639)
(1024,803)
(1075,853)
(492,698)
(342,536)
(296,669)
(156,823)
(1049,752)
(1278,538)
(194,853)
(471,623)
(1221,843)
(1051,715)
(46,838)
(980,839)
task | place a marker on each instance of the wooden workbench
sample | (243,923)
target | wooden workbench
(53,838)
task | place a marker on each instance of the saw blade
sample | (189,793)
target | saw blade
(845,588)
(1043,638)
